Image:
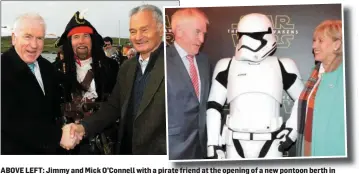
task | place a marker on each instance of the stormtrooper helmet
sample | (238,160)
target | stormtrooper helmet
(256,39)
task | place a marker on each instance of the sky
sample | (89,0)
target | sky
(110,18)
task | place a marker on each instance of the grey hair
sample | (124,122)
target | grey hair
(27,16)
(156,12)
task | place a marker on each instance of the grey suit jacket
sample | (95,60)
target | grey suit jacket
(186,115)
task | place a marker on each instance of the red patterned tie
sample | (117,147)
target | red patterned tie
(193,74)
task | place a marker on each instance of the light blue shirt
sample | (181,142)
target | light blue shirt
(183,54)
(143,63)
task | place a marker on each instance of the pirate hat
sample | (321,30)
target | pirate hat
(78,24)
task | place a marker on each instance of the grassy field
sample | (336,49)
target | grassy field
(49,44)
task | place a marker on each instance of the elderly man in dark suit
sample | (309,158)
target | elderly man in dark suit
(188,82)
(29,110)
(138,98)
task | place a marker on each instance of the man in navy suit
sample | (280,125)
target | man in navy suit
(30,114)
(188,81)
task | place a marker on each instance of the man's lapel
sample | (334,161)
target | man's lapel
(45,77)
(177,61)
(203,73)
(128,84)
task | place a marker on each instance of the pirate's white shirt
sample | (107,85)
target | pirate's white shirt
(81,73)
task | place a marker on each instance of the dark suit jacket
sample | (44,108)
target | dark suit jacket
(187,137)
(28,117)
(149,126)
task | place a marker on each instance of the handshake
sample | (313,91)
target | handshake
(72,134)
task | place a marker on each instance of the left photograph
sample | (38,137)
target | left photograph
(77,79)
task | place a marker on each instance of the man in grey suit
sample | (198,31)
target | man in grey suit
(188,82)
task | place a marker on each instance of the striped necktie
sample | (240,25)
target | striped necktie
(193,74)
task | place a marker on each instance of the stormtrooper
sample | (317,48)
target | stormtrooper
(252,84)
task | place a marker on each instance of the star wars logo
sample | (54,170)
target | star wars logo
(283,29)
(169,35)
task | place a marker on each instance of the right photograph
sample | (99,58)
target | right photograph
(258,82)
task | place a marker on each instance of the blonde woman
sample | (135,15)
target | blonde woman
(321,105)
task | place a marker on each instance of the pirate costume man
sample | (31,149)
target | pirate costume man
(85,83)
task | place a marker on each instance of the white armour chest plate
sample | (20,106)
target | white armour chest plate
(250,77)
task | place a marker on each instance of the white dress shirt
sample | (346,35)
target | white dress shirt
(81,72)
(183,54)
(143,63)
(37,74)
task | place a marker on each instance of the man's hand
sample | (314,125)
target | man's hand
(71,135)
(67,142)
(77,131)
(215,152)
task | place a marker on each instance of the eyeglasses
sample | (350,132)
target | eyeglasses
(106,45)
